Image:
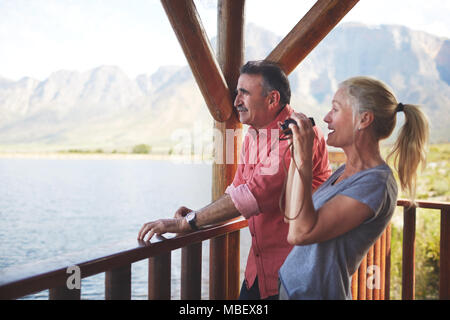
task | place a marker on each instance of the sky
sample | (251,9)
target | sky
(39,37)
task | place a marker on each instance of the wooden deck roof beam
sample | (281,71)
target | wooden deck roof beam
(309,31)
(189,30)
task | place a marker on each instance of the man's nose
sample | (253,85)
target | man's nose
(237,100)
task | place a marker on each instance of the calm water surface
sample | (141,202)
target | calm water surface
(51,207)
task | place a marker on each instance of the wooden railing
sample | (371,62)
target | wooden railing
(116,263)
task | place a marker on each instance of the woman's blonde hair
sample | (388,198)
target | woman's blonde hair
(371,95)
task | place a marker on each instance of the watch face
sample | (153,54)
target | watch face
(190,216)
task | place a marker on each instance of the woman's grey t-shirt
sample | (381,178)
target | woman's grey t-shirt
(324,270)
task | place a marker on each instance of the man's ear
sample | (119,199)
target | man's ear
(274,98)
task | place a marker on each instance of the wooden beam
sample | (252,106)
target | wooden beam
(189,30)
(309,31)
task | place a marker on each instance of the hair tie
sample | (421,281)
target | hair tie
(400,107)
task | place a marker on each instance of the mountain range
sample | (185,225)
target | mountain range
(104,108)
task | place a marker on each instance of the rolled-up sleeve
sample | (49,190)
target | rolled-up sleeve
(243,200)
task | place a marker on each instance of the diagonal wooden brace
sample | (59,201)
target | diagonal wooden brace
(189,30)
(309,31)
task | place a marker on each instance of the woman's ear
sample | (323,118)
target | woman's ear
(365,119)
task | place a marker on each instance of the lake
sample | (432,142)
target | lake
(51,207)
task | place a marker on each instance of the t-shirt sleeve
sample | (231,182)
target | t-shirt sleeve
(369,189)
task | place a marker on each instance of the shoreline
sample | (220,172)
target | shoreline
(112,156)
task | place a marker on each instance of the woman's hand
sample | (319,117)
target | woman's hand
(303,136)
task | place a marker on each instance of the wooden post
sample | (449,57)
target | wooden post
(377,270)
(118,283)
(408,259)
(362,282)
(189,30)
(309,31)
(63,293)
(234,267)
(369,290)
(354,286)
(383,265)
(230,56)
(444,263)
(191,272)
(159,277)
(218,268)
(387,273)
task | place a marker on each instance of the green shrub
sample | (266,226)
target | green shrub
(142,148)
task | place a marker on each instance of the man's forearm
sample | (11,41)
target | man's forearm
(222,209)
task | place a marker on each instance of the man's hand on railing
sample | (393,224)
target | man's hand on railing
(161,226)
(221,210)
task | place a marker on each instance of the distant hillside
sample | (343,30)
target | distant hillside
(104,108)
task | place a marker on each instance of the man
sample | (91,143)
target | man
(262,102)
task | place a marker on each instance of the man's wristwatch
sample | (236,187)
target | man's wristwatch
(191,218)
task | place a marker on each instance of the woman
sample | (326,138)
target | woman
(333,228)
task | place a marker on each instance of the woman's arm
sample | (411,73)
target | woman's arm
(337,216)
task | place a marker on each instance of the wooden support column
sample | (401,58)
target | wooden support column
(118,283)
(309,31)
(408,259)
(189,30)
(224,283)
(159,271)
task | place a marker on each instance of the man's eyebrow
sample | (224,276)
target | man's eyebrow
(242,90)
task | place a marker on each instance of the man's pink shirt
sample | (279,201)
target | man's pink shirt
(255,192)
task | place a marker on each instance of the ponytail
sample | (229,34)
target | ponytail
(409,149)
